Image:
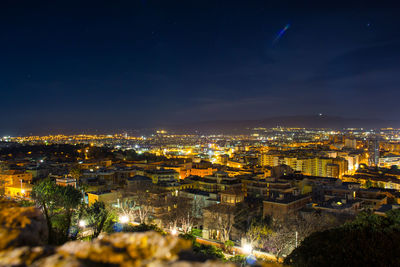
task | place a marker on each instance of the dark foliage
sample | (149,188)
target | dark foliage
(58,204)
(370,240)
(203,252)
(143,228)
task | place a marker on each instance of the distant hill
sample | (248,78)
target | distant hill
(314,121)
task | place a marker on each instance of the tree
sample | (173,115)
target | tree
(3,167)
(180,213)
(257,233)
(138,209)
(43,193)
(76,172)
(58,204)
(140,200)
(289,232)
(369,240)
(228,245)
(96,216)
(198,203)
(243,216)
(220,217)
(68,198)
(143,228)
(2,187)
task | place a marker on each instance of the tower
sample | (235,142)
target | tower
(373,150)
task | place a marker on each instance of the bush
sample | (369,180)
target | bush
(208,251)
(188,236)
(26,203)
(143,228)
(239,259)
(197,232)
(228,245)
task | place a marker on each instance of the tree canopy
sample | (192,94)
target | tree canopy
(370,240)
(58,204)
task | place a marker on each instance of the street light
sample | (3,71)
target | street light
(82,223)
(123,219)
(22,190)
(247,248)
(174,232)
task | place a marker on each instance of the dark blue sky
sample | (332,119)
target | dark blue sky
(126,64)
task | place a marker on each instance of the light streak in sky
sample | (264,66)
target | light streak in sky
(281,33)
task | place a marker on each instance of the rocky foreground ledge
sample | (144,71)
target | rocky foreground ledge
(23,242)
(23,235)
(120,249)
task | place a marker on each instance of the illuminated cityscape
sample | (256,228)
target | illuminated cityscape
(186,133)
(190,182)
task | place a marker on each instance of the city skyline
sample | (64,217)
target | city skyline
(317,121)
(142,64)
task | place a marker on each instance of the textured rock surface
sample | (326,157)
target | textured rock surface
(23,233)
(127,249)
(21,226)
(120,249)
(23,256)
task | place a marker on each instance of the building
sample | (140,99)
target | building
(231,196)
(15,177)
(66,182)
(23,191)
(389,160)
(306,164)
(218,221)
(138,181)
(350,143)
(109,197)
(262,188)
(373,150)
(382,211)
(349,191)
(216,183)
(375,177)
(162,175)
(340,205)
(202,171)
(281,205)
(201,199)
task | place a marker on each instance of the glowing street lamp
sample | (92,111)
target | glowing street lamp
(123,219)
(247,248)
(82,223)
(174,232)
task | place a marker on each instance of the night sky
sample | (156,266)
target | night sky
(116,65)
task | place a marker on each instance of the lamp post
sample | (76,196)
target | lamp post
(22,190)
